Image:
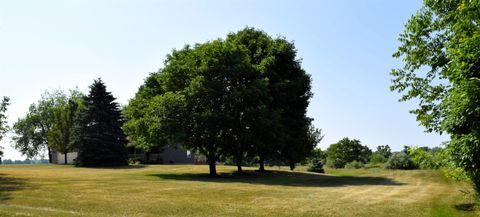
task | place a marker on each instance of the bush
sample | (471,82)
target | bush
(400,161)
(316,165)
(377,158)
(334,163)
(427,158)
(354,165)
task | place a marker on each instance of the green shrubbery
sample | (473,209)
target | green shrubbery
(316,165)
(377,158)
(426,158)
(354,165)
(352,155)
(401,161)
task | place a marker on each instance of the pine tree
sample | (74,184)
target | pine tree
(98,135)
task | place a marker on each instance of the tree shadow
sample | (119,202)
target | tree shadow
(283,178)
(465,207)
(136,166)
(8,185)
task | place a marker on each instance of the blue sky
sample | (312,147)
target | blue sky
(345,45)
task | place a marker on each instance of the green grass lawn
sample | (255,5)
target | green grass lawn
(184,190)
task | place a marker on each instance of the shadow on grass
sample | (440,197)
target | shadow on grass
(283,178)
(139,166)
(8,185)
(465,207)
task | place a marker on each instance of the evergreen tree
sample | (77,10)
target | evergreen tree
(97,134)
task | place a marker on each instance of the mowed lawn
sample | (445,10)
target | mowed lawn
(184,190)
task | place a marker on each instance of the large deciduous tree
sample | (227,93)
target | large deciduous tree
(243,96)
(97,132)
(442,69)
(31,131)
(281,125)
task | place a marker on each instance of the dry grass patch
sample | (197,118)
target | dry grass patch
(185,190)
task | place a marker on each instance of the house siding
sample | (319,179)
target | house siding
(167,156)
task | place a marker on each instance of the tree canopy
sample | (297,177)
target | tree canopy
(345,151)
(442,68)
(246,95)
(64,118)
(31,131)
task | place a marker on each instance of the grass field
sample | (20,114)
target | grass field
(184,190)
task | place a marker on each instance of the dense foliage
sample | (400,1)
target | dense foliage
(317,160)
(346,151)
(60,134)
(316,165)
(441,55)
(245,96)
(400,160)
(427,158)
(33,132)
(381,155)
(97,132)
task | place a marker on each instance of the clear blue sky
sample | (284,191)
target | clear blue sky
(345,45)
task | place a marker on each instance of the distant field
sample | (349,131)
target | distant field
(176,190)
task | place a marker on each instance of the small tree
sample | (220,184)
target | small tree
(97,133)
(3,121)
(381,155)
(3,117)
(346,151)
(64,115)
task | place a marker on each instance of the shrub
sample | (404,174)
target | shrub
(334,163)
(400,161)
(316,165)
(426,158)
(377,158)
(354,165)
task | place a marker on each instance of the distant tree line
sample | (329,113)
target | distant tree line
(26,161)
(350,153)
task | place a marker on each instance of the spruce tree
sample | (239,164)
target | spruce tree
(98,135)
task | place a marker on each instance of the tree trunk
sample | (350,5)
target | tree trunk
(65,155)
(262,164)
(239,163)
(147,157)
(292,165)
(49,155)
(212,166)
